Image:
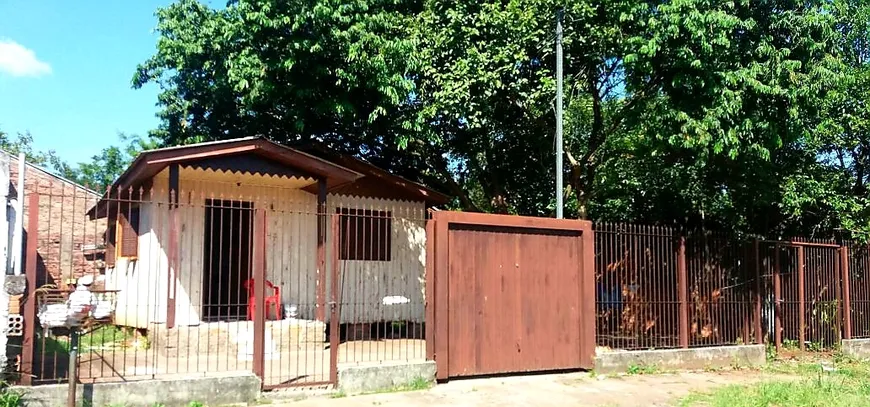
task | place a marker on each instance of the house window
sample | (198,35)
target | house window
(365,234)
(128,230)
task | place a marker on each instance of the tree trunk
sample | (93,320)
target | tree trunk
(583,171)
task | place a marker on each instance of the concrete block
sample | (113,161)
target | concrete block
(856,348)
(212,391)
(682,359)
(15,285)
(384,377)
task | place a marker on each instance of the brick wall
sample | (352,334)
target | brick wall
(69,244)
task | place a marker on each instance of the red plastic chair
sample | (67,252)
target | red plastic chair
(274,299)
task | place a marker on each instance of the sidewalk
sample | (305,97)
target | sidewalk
(575,389)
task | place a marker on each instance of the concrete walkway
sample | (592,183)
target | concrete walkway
(575,389)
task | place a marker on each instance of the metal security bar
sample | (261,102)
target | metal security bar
(659,287)
(210,277)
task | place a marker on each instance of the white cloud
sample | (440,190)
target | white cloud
(17,60)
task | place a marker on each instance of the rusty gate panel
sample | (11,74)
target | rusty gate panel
(823,301)
(513,294)
(859,283)
(806,289)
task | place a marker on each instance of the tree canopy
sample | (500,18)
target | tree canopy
(98,173)
(738,115)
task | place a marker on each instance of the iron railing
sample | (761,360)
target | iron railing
(336,282)
(659,287)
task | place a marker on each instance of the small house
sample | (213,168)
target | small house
(188,227)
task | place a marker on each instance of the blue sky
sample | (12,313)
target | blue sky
(66,69)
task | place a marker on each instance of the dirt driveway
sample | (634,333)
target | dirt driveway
(575,389)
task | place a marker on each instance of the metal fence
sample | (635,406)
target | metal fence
(219,277)
(659,287)
(859,290)
(213,277)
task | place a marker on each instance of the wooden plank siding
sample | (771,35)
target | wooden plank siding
(291,251)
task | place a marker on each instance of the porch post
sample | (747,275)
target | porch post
(320,313)
(173,244)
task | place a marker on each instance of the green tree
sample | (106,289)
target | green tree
(833,189)
(316,69)
(105,167)
(23,143)
(674,109)
(697,112)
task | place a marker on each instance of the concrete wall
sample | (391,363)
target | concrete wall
(856,348)
(212,391)
(695,358)
(383,377)
(291,245)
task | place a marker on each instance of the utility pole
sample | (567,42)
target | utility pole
(559,152)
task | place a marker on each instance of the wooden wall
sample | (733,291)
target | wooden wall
(291,256)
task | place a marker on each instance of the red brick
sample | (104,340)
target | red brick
(64,230)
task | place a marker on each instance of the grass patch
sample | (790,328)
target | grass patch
(338,395)
(642,369)
(107,336)
(846,386)
(415,384)
(54,345)
(102,338)
(9,397)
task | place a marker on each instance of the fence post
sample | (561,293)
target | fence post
(442,292)
(847,292)
(335,302)
(29,339)
(802,299)
(683,292)
(759,337)
(777,301)
(260,311)
(587,297)
(430,289)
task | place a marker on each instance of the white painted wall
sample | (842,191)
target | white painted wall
(291,252)
(143,281)
(364,284)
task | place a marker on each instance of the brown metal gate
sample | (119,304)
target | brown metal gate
(511,294)
(809,293)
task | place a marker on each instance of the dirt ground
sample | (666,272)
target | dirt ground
(574,389)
